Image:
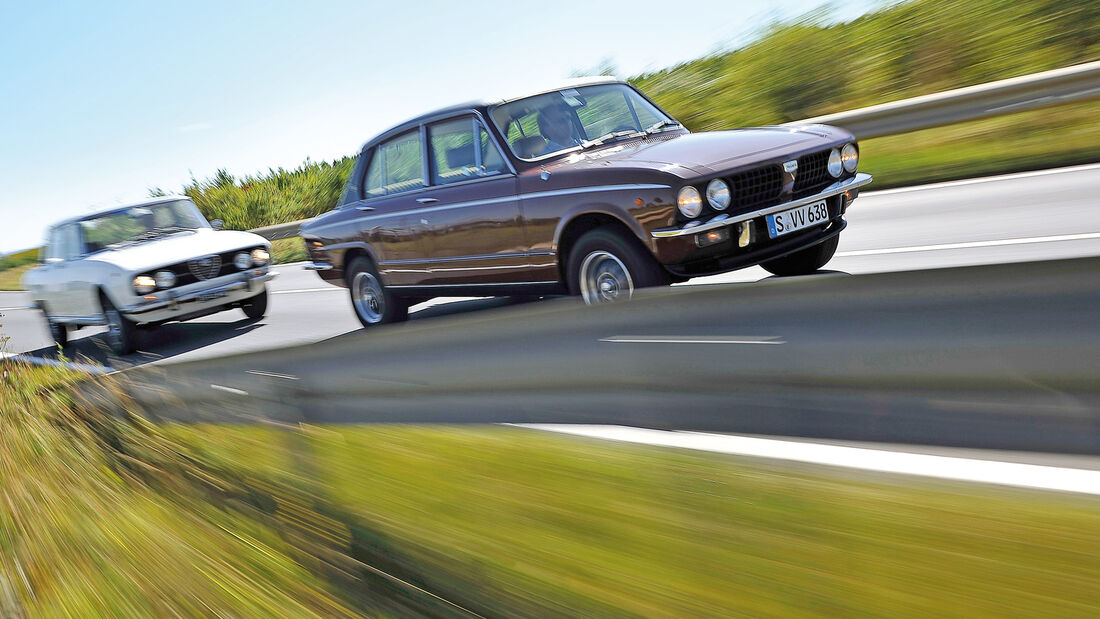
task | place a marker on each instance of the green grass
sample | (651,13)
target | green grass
(104,516)
(9,278)
(509,521)
(1032,140)
(288,250)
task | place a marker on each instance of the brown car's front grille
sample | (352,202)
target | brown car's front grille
(812,173)
(756,186)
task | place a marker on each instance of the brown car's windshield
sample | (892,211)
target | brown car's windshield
(557,121)
(139,223)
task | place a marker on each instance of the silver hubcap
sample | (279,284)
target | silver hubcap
(366,294)
(604,278)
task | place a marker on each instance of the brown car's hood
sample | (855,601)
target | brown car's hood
(705,153)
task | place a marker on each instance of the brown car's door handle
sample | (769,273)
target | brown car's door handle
(364,208)
(427,200)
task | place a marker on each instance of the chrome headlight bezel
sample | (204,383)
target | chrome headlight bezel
(260,256)
(836,165)
(164,279)
(719,194)
(242,260)
(689,202)
(144,284)
(849,156)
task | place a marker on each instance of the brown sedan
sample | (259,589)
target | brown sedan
(589,190)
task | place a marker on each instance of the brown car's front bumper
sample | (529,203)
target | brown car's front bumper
(678,250)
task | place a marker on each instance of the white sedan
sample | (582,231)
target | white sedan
(149,263)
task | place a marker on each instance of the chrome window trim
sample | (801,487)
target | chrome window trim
(723,220)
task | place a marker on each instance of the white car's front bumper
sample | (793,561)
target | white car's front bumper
(199,298)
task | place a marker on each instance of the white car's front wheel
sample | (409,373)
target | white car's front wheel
(256,307)
(58,331)
(120,330)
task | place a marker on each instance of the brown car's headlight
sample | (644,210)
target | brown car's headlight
(718,194)
(689,202)
(836,165)
(260,256)
(143,284)
(850,157)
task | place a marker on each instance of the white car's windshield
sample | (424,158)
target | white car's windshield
(576,118)
(138,223)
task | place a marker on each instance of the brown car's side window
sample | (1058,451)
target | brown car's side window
(457,156)
(395,166)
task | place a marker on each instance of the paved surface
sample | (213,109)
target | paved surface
(1031,216)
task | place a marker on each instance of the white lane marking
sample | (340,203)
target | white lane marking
(329,289)
(970,245)
(941,467)
(229,390)
(984,179)
(699,339)
(271,374)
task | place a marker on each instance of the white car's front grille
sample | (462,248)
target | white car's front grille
(206,267)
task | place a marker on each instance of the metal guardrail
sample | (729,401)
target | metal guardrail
(1057,87)
(1076,83)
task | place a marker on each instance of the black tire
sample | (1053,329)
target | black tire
(372,302)
(606,266)
(256,307)
(120,330)
(804,261)
(59,332)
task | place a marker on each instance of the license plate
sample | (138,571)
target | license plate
(797,218)
(210,296)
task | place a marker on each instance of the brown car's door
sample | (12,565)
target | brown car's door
(470,213)
(393,182)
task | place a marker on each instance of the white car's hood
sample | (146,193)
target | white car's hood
(177,248)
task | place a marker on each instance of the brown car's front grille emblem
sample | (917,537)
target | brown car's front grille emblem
(206,267)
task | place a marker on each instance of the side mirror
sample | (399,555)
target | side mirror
(217,224)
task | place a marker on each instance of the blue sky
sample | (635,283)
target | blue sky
(102,101)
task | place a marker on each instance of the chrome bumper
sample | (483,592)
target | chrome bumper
(695,227)
(318,266)
(195,296)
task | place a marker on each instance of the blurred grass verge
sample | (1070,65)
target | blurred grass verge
(104,513)
(513,522)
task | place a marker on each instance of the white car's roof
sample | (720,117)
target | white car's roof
(120,207)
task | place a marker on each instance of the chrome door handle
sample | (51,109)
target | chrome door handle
(364,208)
(427,200)
(423,221)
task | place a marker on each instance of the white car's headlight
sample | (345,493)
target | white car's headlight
(850,156)
(260,256)
(164,279)
(836,166)
(689,202)
(143,284)
(242,261)
(718,194)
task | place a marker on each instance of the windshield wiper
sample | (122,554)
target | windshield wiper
(663,125)
(610,136)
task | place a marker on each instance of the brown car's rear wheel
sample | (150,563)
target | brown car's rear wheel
(605,266)
(373,303)
(804,261)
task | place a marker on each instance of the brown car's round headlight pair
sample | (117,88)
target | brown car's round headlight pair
(690,202)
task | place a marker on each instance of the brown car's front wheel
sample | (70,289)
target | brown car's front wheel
(373,303)
(605,266)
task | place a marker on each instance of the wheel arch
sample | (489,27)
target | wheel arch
(574,226)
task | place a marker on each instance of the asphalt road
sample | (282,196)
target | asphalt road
(1019,218)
